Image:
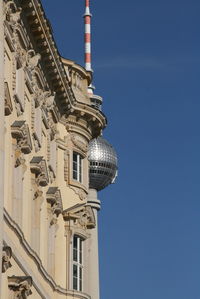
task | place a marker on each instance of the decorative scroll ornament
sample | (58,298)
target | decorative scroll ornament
(20,286)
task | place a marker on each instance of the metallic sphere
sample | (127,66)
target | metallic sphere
(103,163)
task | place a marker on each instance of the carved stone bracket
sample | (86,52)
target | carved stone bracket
(20,286)
(20,132)
(39,168)
(82,215)
(55,200)
(6,256)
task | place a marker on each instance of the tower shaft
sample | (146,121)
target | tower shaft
(87,20)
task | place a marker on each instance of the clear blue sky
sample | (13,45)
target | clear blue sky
(146,61)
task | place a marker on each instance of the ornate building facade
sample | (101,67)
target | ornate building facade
(53,163)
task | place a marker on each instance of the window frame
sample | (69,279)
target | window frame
(77,172)
(77,263)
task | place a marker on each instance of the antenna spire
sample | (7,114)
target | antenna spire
(87,19)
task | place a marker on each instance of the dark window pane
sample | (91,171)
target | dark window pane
(75,157)
(75,175)
(75,285)
(75,271)
(80,273)
(75,255)
(75,242)
(74,166)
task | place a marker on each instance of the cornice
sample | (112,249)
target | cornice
(42,34)
(72,65)
(52,62)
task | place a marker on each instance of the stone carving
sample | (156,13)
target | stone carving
(80,192)
(48,101)
(52,126)
(18,109)
(86,217)
(12,12)
(20,131)
(55,200)
(39,94)
(39,168)
(36,144)
(38,194)
(20,286)
(32,59)
(19,159)
(6,256)
(8,102)
(79,144)
(82,215)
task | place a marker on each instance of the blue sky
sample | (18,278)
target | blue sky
(146,61)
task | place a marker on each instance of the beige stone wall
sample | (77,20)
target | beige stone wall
(48,116)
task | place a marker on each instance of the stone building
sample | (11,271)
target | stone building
(48,121)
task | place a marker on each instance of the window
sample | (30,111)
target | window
(77,263)
(77,167)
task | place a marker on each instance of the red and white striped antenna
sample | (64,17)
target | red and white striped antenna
(87,19)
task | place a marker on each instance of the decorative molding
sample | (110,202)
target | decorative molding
(79,143)
(66,166)
(33,255)
(20,131)
(55,200)
(39,168)
(79,190)
(82,216)
(6,256)
(20,286)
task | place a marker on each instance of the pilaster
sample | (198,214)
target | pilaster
(1,129)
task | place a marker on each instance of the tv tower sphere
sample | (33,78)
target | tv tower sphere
(103,164)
